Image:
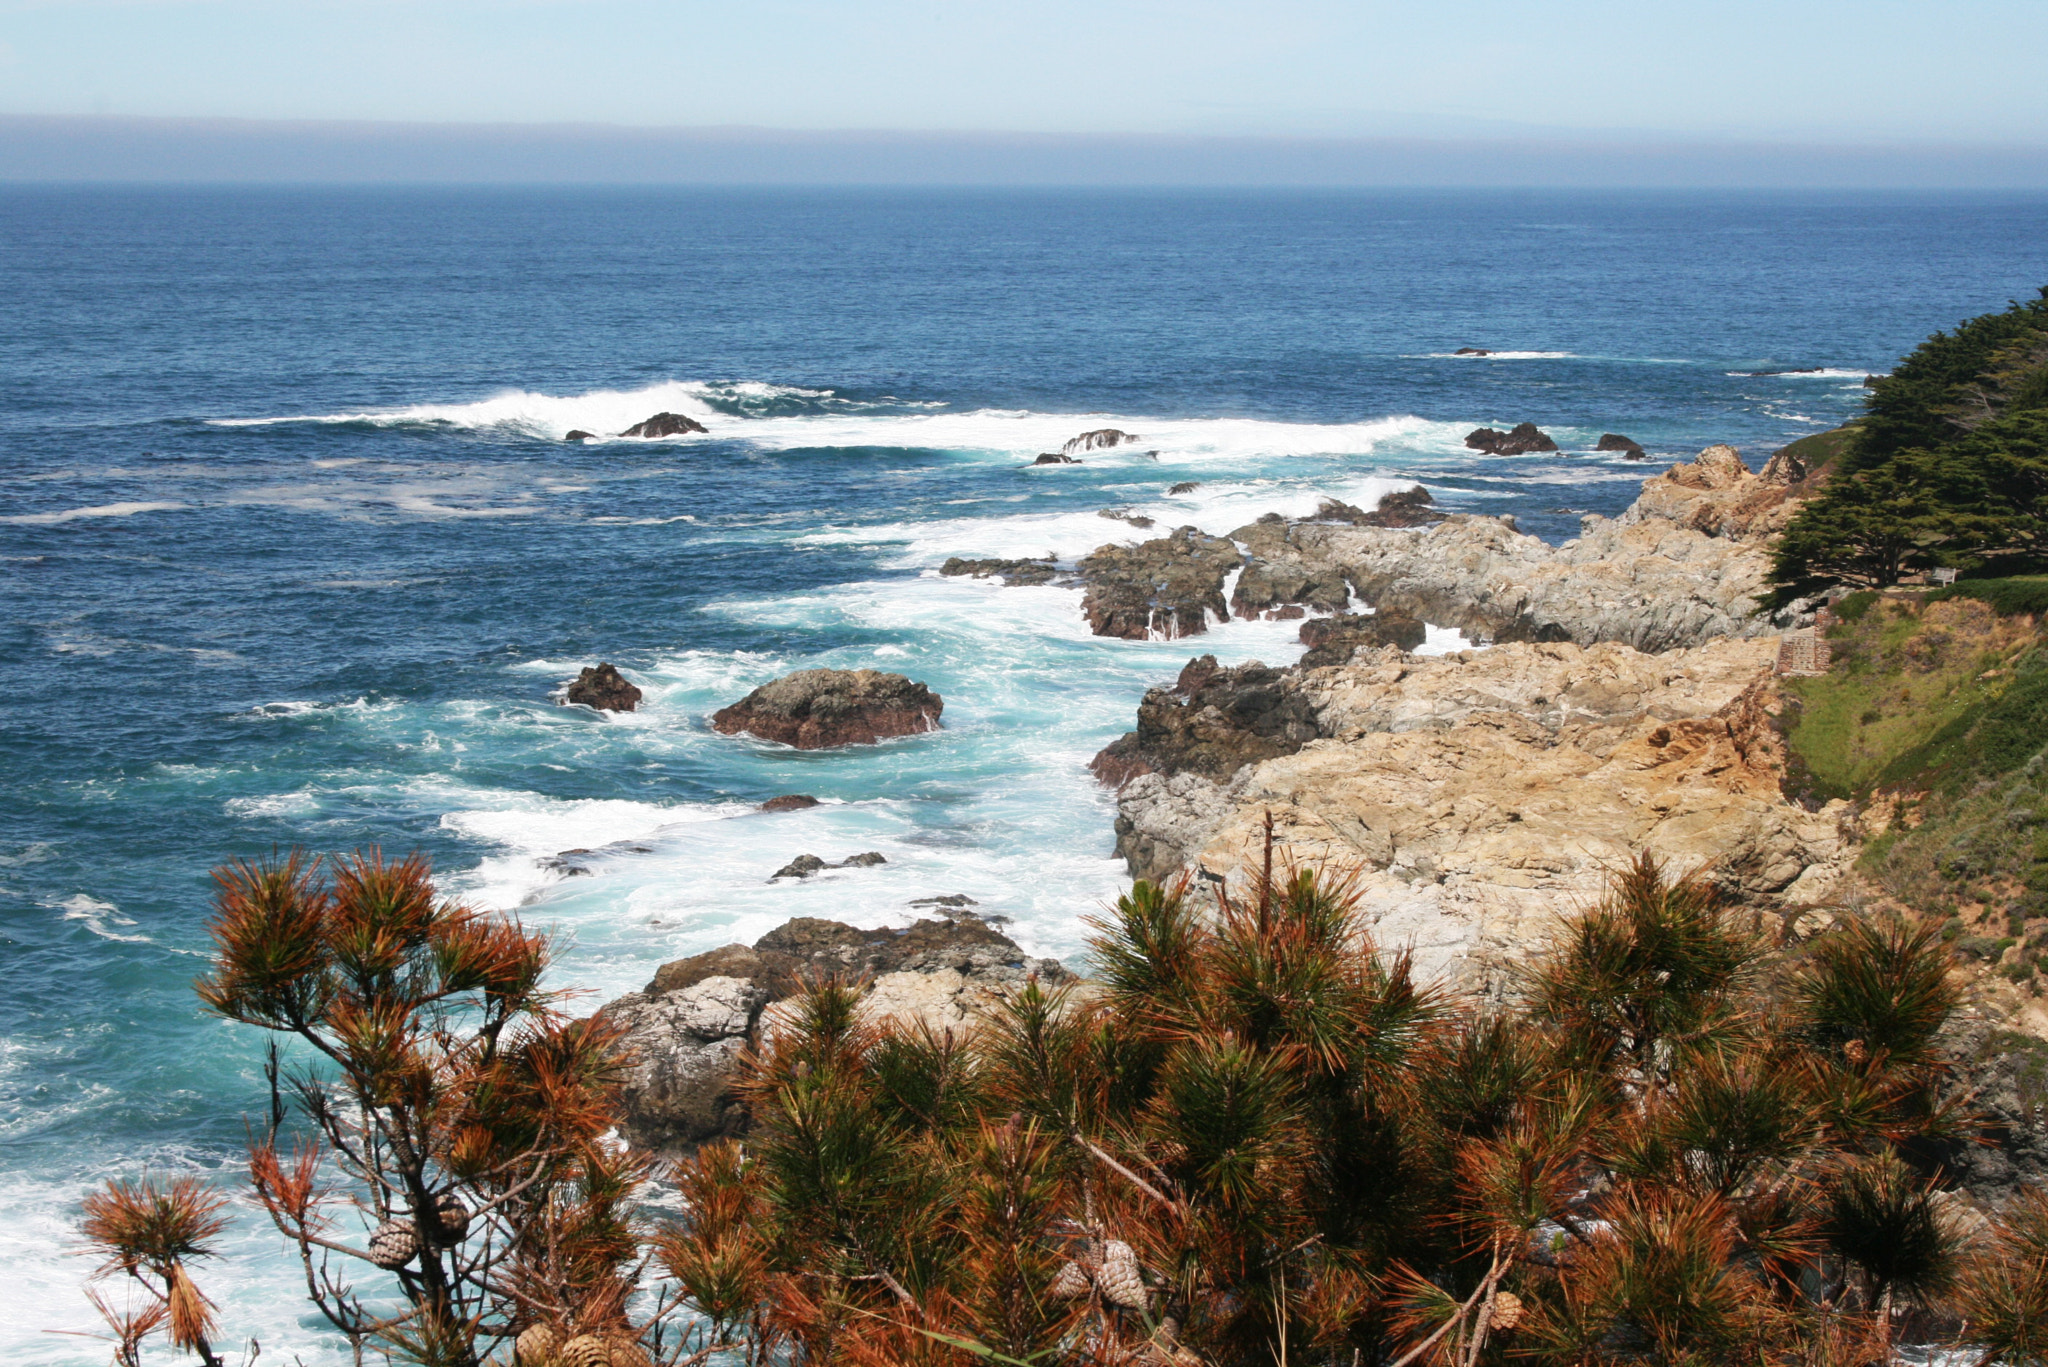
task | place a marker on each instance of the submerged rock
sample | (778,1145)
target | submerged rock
(1186,486)
(818,709)
(1472,351)
(580,435)
(804,865)
(1054,458)
(788,802)
(1101,439)
(1043,570)
(604,688)
(685,1031)
(664,425)
(1168,585)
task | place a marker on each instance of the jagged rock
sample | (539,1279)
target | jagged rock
(1041,571)
(2006,1073)
(816,709)
(956,900)
(580,435)
(1101,439)
(1489,792)
(1784,468)
(1126,515)
(1212,722)
(1716,494)
(788,802)
(1333,640)
(686,1030)
(604,688)
(804,865)
(1054,458)
(1186,486)
(1614,441)
(1472,351)
(1168,585)
(1520,441)
(1266,586)
(664,425)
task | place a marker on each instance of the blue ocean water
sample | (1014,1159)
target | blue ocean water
(292,552)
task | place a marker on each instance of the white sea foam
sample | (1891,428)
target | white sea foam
(1500,356)
(98,510)
(1823,373)
(98,917)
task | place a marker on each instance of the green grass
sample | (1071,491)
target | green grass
(2027,595)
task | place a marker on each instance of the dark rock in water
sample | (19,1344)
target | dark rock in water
(1521,441)
(1212,722)
(566,866)
(604,688)
(1186,486)
(664,425)
(1330,640)
(788,802)
(1614,441)
(1101,439)
(1471,351)
(1043,571)
(580,435)
(1168,585)
(956,899)
(1126,515)
(817,709)
(1054,458)
(1412,507)
(803,866)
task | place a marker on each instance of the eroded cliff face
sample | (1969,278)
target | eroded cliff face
(1484,794)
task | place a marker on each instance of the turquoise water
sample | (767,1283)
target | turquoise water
(293,555)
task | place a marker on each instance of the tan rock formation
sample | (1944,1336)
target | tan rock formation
(1717,494)
(1486,793)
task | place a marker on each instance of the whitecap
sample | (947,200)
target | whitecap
(97,916)
(98,510)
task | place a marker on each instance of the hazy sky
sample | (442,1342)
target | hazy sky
(1832,70)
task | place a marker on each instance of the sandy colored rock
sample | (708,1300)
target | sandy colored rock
(1718,495)
(1485,794)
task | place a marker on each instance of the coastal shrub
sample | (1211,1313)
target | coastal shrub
(2026,596)
(1253,1137)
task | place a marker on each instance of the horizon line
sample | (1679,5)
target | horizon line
(134,149)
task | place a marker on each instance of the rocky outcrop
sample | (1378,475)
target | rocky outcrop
(788,802)
(1333,640)
(1040,571)
(580,435)
(664,425)
(1523,439)
(604,688)
(1137,520)
(1614,441)
(1101,439)
(1485,793)
(1186,486)
(817,709)
(1165,587)
(1054,458)
(685,1032)
(1212,722)
(1472,351)
(1716,494)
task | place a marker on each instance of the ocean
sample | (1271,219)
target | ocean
(293,553)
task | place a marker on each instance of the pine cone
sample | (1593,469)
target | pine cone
(535,1346)
(627,1353)
(452,1216)
(394,1245)
(1071,1284)
(1507,1312)
(1121,1281)
(585,1350)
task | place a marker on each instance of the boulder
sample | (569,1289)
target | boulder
(1054,458)
(817,709)
(685,1032)
(1520,441)
(1614,441)
(604,688)
(1041,571)
(1212,722)
(580,435)
(1101,439)
(664,425)
(788,802)
(1167,586)
(1332,640)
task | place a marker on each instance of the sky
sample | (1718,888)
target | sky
(1345,90)
(1790,70)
